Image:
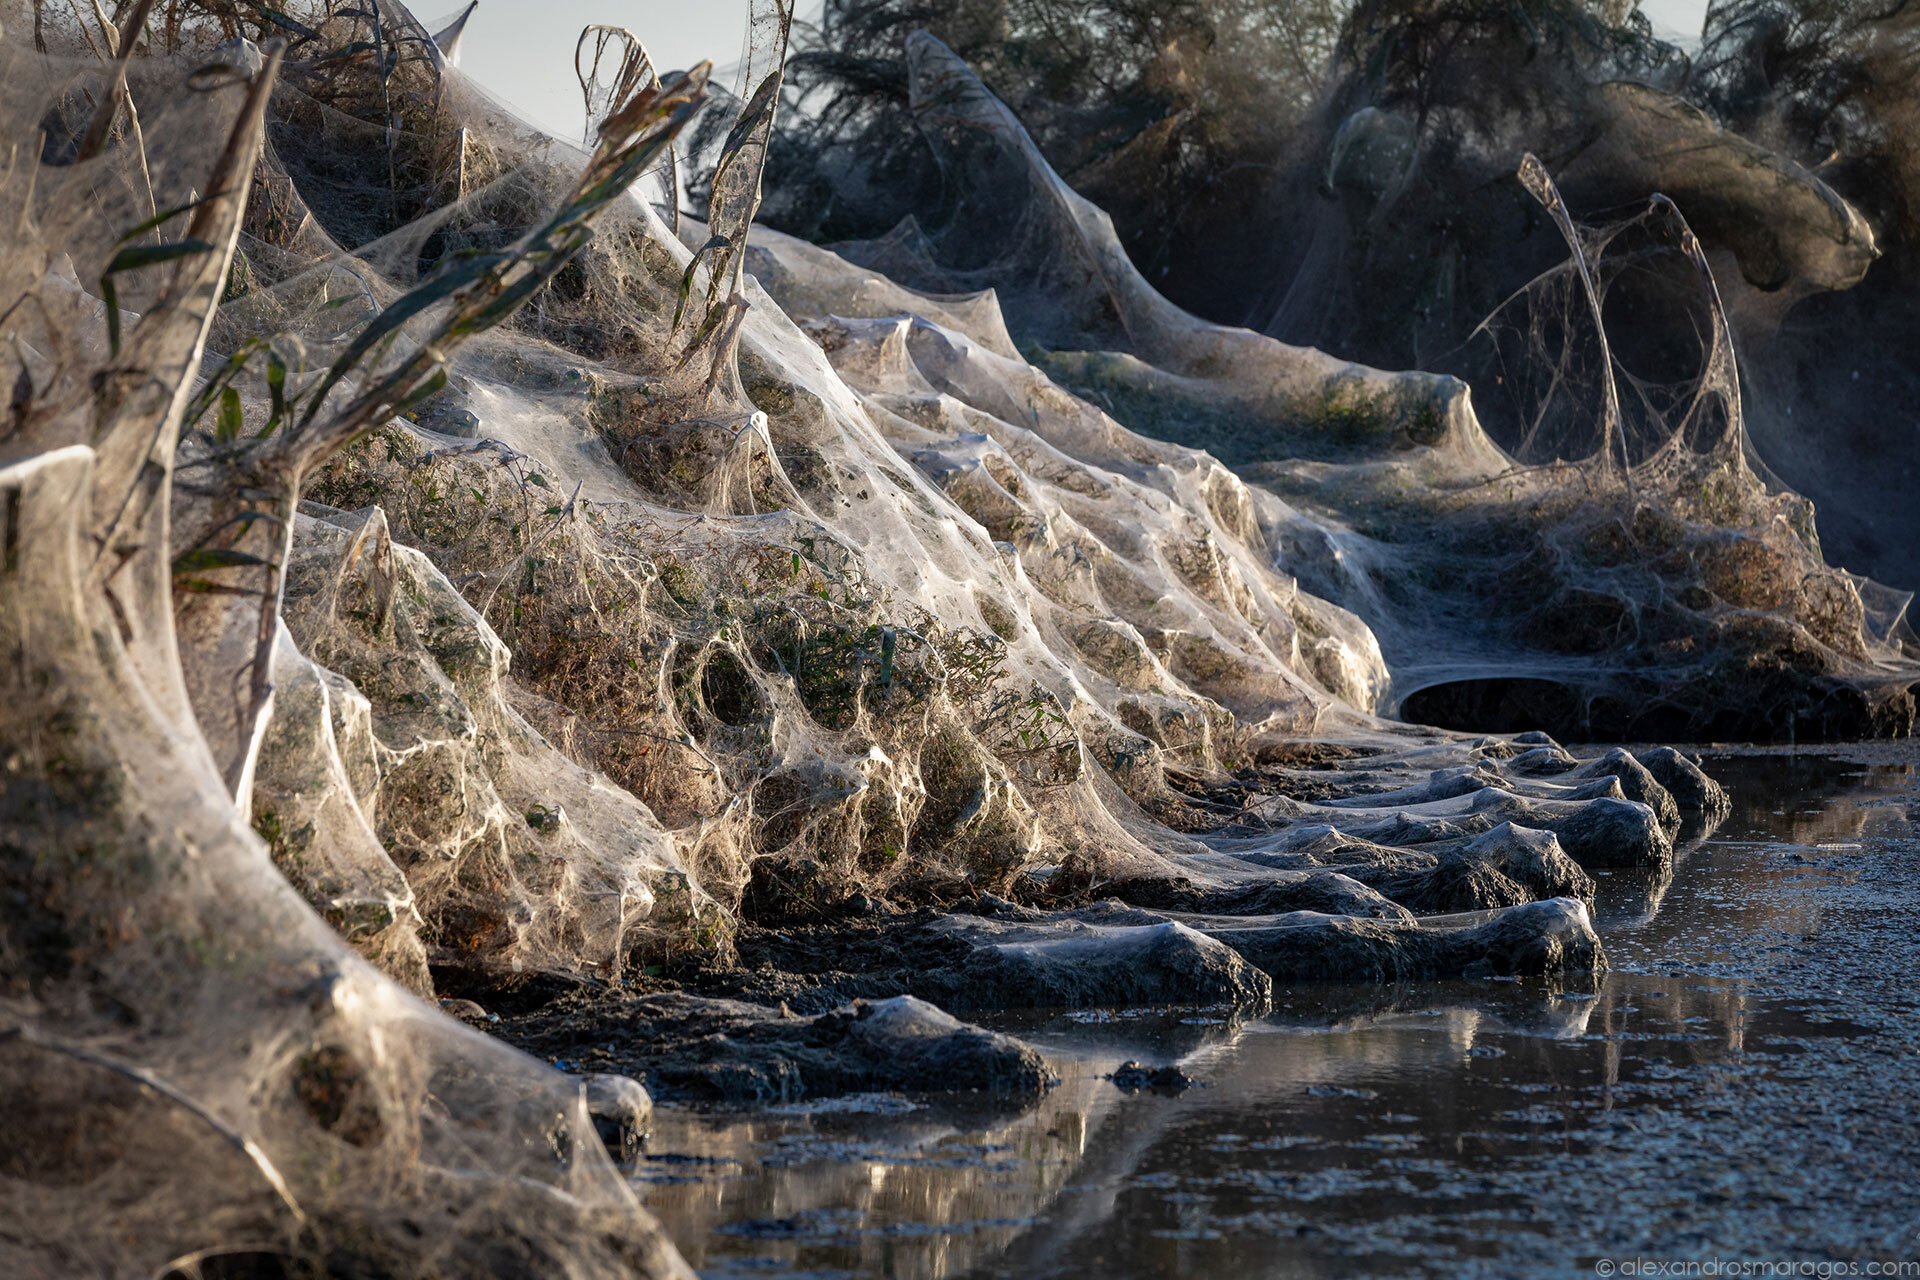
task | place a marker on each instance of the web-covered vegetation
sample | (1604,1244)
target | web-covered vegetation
(1390,225)
(1342,176)
(757,658)
(184,1037)
(539,590)
(1619,569)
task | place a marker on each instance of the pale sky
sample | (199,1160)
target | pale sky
(1677,21)
(522,50)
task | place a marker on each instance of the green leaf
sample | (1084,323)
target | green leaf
(215,75)
(280,19)
(213,558)
(693,264)
(160,218)
(758,111)
(208,395)
(537,478)
(228,425)
(754,125)
(358,46)
(555,509)
(276,385)
(389,321)
(133,259)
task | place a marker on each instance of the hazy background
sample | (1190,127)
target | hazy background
(522,50)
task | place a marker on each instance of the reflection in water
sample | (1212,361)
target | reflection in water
(1357,1128)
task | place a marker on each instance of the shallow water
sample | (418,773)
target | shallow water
(1738,1086)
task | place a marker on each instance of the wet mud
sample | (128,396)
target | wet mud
(1737,1084)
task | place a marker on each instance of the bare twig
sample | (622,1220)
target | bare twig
(109,107)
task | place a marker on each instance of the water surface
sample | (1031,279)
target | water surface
(1738,1086)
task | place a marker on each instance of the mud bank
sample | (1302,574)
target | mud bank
(1737,1085)
(701,1049)
(1338,885)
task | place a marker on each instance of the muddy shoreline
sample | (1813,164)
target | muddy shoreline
(1737,1085)
(1439,860)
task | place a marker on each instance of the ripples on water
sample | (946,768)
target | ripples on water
(1421,1129)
